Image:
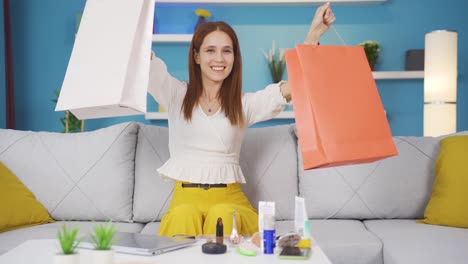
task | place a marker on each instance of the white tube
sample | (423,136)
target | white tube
(300,215)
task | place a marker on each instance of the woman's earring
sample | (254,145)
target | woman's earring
(196,57)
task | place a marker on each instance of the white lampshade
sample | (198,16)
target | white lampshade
(440,82)
(440,119)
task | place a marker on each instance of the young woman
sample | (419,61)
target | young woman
(207,118)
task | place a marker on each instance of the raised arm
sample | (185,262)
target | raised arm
(263,104)
(323,19)
(162,86)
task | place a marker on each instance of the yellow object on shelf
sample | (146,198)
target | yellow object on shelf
(304,243)
(203,13)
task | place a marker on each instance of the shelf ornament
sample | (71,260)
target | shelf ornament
(372,49)
(202,14)
(276,62)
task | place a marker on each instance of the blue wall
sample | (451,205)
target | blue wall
(43,35)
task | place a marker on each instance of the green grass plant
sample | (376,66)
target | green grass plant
(372,50)
(103,236)
(67,239)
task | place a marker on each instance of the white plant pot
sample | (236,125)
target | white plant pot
(67,259)
(102,256)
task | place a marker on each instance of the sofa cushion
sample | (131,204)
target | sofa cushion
(152,193)
(80,176)
(396,187)
(19,208)
(11,239)
(449,202)
(343,241)
(409,242)
(268,160)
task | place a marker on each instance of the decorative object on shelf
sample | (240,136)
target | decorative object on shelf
(276,62)
(372,50)
(202,14)
(103,239)
(414,60)
(440,83)
(70,123)
(68,243)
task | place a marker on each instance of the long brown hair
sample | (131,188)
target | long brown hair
(230,94)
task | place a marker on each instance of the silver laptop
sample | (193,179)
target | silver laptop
(139,244)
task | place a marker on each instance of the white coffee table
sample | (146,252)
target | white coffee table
(42,252)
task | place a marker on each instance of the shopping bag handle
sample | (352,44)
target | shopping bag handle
(338,34)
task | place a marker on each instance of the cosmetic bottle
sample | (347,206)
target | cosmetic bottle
(219,231)
(264,208)
(300,215)
(268,234)
(234,237)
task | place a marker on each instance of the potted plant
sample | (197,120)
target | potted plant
(68,243)
(70,122)
(372,49)
(276,62)
(103,238)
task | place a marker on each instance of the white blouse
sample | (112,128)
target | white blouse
(206,150)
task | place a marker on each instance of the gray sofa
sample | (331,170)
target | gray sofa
(359,214)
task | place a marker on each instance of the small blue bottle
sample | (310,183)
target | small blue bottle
(268,234)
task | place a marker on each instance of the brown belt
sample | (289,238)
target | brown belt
(205,186)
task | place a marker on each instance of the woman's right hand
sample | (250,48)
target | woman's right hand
(323,19)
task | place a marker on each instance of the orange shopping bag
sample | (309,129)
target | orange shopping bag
(339,116)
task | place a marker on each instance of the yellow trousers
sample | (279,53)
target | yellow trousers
(194,211)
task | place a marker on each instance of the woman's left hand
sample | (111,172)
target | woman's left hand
(323,19)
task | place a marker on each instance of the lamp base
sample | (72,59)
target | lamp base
(440,119)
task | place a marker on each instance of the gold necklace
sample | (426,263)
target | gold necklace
(209,103)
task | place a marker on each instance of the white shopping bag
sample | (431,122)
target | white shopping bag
(108,71)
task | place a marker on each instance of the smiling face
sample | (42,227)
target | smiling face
(215,64)
(216,57)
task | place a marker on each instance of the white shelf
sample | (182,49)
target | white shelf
(163,115)
(156,115)
(398,75)
(285,115)
(172,38)
(378,75)
(272,2)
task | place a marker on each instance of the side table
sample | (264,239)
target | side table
(42,251)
